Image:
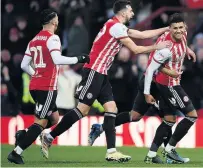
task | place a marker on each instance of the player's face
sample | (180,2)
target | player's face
(128,13)
(177,30)
(55,22)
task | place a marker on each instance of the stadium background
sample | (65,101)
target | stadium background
(80,21)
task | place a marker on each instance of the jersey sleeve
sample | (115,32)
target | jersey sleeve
(27,52)
(119,31)
(54,43)
(160,56)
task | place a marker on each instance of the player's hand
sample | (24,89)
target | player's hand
(164,44)
(149,99)
(83,58)
(191,54)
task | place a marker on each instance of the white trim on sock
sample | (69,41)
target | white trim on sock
(111,150)
(151,154)
(168,148)
(18,150)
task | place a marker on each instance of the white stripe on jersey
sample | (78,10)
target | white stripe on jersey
(104,58)
(100,55)
(184,44)
(176,63)
(107,59)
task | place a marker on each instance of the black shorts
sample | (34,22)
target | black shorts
(140,105)
(174,98)
(45,102)
(94,86)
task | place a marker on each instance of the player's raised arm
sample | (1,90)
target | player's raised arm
(25,64)
(159,58)
(147,33)
(54,46)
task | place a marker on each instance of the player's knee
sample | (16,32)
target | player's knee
(41,122)
(192,113)
(170,118)
(110,107)
(135,116)
(54,118)
(84,109)
(55,121)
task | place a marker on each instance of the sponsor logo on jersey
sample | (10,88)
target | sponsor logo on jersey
(173,101)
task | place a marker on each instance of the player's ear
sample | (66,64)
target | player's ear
(186,27)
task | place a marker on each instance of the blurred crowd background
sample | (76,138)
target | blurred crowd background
(80,21)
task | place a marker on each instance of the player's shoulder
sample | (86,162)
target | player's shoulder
(165,52)
(118,27)
(54,37)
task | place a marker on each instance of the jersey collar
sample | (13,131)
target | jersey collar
(115,19)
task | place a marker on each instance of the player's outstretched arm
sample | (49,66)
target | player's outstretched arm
(147,33)
(25,65)
(143,49)
(58,59)
(54,46)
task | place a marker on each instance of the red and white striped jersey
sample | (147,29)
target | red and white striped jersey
(170,58)
(46,72)
(106,45)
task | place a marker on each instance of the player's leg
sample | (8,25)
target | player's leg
(139,108)
(88,91)
(186,106)
(44,106)
(163,132)
(52,120)
(106,99)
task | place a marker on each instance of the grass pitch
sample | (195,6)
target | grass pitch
(63,156)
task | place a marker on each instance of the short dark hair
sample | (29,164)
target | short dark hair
(119,5)
(176,18)
(47,15)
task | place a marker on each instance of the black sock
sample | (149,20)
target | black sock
(181,130)
(169,135)
(161,134)
(121,118)
(67,121)
(31,135)
(109,128)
